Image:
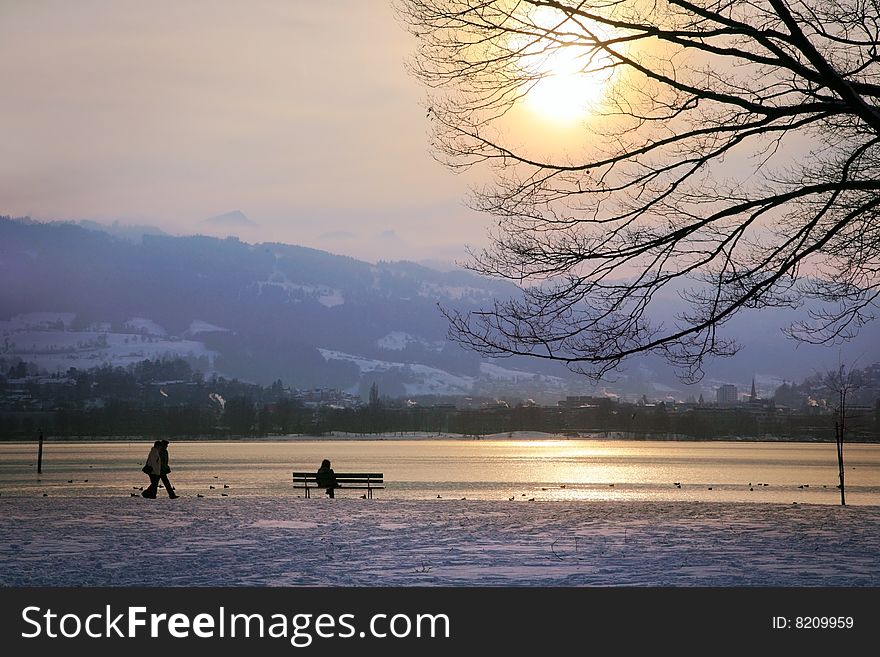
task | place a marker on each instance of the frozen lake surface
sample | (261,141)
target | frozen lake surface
(537,513)
(543,470)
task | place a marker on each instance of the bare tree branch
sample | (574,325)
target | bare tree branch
(650,205)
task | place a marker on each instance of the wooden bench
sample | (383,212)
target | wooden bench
(368,481)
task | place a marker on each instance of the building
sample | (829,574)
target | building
(727,394)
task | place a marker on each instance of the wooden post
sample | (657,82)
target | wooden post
(841,432)
(838,430)
(40,455)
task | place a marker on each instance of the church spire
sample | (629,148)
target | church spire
(753,396)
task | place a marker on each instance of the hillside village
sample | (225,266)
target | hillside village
(170,397)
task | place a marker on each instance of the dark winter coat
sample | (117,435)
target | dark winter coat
(326,478)
(163,461)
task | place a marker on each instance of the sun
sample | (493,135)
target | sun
(567,78)
(566,93)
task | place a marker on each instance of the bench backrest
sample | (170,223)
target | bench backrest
(343,477)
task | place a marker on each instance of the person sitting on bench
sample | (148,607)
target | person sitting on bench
(326,478)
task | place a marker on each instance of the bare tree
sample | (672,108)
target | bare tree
(841,383)
(734,160)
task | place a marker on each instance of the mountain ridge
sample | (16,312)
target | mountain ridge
(274,307)
(267,311)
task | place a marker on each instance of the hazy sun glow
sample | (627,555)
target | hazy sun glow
(573,78)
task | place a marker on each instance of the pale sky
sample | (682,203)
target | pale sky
(298,113)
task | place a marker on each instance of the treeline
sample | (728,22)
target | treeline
(633,421)
(169,398)
(244,416)
(163,397)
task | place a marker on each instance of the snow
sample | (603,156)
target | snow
(433,380)
(198,326)
(39,338)
(40,320)
(495,372)
(331,298)
(399,340)
(61,350)
(437,382)
(144,325)
(100,327)
(94,529)
(228,541)
(395,341)
(427,380)
(454,292)
(326,296)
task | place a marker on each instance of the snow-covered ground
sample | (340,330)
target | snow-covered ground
(198,326)
(42,320)
(61,350)
(427,380)
(47,340)
(144,325)
(348,541)
(399,340)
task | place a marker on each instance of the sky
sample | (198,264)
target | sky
(299,114)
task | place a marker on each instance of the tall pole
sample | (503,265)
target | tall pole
(40,455)
(840,436)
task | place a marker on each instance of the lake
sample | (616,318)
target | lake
(522,469)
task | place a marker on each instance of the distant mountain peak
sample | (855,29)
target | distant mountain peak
(234,219)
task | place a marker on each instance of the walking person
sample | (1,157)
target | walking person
(164,469)
(157,461)
(152,468)
(326,478)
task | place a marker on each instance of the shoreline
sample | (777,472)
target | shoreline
(404,436)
